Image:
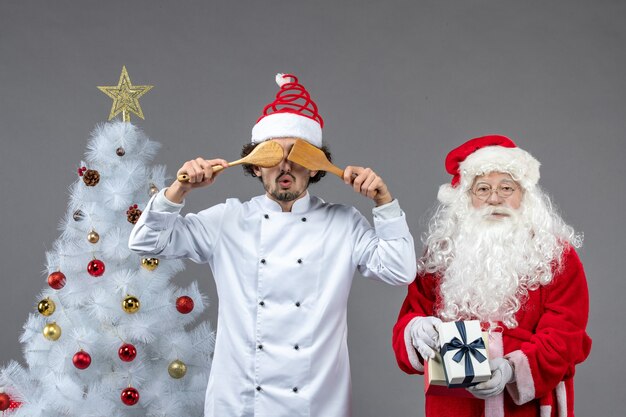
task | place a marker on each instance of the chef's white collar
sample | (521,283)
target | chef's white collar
(301,205)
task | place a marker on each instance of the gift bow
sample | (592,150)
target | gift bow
(465,350)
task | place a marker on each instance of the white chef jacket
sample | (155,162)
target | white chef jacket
(283,280)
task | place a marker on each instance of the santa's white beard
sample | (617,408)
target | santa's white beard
(487,266)
(491,268)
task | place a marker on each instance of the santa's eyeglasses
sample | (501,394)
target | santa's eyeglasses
(484,191)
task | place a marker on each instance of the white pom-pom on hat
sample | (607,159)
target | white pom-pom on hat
(282,80)
(448,194)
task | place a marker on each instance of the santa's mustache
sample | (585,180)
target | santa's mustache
(502,211)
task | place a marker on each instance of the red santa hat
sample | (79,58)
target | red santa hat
(291,114)
(480,156)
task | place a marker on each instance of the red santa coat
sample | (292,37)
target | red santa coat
(543,349)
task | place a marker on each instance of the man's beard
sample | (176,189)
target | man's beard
(284,195)
(281,195)
(486,278)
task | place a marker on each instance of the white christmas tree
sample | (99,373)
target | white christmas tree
(112,336)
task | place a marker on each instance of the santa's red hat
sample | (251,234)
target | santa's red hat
(480,156)
(292,114)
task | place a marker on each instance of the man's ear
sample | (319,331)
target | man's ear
(256,170)
(313,173)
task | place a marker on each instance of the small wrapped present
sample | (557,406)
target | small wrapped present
(464,353)
(435,380)
(435,377)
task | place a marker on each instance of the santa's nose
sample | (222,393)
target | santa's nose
(494,198)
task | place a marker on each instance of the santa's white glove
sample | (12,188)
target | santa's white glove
(425,335)
(501,374)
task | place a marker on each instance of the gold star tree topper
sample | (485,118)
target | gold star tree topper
(125,97)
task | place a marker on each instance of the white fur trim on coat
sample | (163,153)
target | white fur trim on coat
(287,125)
(521,165)
(545,411)
(494,406)
(561,399)
(523,389)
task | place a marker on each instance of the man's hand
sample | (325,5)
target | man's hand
(368,183)
(501,374)
(200,172)
(425,336)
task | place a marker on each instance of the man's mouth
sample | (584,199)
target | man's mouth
(285,181)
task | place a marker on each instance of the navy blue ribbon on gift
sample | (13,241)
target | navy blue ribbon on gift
(465,349)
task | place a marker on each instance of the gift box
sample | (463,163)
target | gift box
(463,353)
(435,382)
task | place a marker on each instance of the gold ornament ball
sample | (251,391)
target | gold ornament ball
(153,190)
(46,307)
(93,237)
(131,304)
(150,264)
(52,332)
(177,369)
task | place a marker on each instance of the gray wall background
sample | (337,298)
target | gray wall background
(399,84)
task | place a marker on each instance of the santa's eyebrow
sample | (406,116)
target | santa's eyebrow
(504,181)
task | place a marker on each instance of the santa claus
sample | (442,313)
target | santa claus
(498,251)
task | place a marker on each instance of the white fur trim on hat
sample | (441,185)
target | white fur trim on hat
(287,125)
(514,161)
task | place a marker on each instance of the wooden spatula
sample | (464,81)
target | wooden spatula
(312,158)
(267,154)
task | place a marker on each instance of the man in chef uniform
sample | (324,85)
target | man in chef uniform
(497,251)
(283,264)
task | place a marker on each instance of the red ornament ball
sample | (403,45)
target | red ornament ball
(184,304)
(95,268)
(82,360)
(127,352)
(56,280)
(5,402)
(130,396)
